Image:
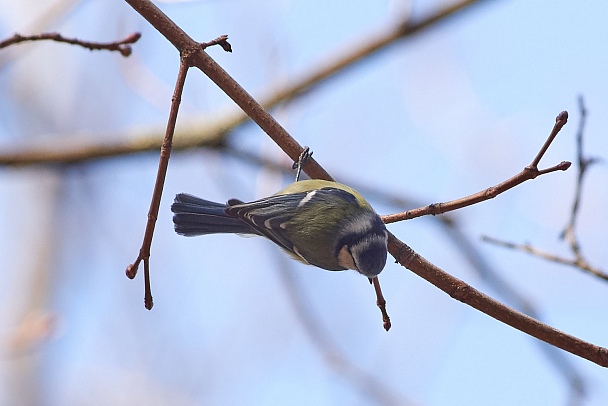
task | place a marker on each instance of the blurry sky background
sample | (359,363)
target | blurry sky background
(439,115)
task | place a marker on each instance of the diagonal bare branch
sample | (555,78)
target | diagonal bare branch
(578,263)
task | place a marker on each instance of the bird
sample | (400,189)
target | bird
(318,222)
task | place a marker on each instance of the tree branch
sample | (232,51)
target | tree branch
(578,262)
(529,172)
(165,153)
(122,46)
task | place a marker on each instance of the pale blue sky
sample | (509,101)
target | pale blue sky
(451,111)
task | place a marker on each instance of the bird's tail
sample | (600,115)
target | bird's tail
(195,216)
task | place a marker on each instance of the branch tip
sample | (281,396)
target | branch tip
(132,38)
(386,324)
(222,41)
(131,271)
(562,166)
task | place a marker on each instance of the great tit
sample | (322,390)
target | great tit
(318,222)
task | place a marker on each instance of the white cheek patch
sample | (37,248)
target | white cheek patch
(306,199)
(345,259)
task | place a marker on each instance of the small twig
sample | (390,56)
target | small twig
(579,263)
(165,153)
(560,121)
(123,46)
(222,41)
(386,321)
(529,172)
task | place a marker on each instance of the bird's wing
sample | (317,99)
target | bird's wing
(266,216)
(269,215)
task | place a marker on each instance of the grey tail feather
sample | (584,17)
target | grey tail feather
(195,216)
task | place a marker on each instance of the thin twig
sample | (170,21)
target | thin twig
(583,164)
(529,172)
(123,46)
(222,41)
(578,263)
(165,153)
(381,303)
(43,19)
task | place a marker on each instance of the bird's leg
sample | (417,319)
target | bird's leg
(306,153)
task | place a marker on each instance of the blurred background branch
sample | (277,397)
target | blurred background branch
(211,130)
